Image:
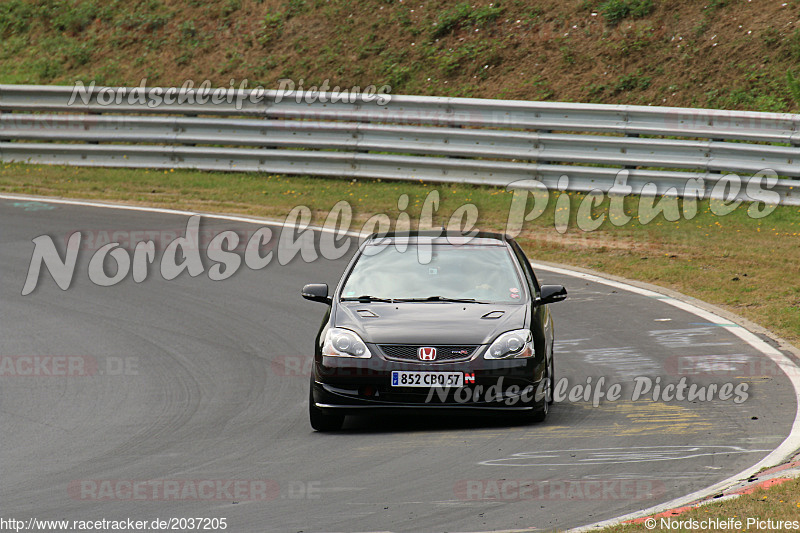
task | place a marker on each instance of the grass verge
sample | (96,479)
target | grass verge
(778,503)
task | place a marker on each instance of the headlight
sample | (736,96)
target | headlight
(341,342)
(511,344)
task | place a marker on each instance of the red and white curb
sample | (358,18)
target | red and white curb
(765,479)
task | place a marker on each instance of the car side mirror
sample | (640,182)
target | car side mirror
(551,294)
(316,292)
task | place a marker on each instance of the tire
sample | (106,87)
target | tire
(320,420)
(552,379)
(539,413)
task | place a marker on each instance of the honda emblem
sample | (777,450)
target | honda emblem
(427,353)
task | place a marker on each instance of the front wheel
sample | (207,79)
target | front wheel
(320,420)
(542,406)
(552,379)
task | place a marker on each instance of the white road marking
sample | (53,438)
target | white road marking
(608,456)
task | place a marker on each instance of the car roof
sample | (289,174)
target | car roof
(440,237)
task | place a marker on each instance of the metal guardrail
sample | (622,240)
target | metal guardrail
(664,150)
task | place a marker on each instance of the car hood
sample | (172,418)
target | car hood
(430,322)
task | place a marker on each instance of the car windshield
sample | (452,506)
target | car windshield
(462,273)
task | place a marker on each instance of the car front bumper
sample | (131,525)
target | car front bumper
(349,386)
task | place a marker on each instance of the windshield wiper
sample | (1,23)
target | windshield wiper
(441,299)
(366,298)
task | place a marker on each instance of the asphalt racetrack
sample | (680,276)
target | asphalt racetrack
(188,398)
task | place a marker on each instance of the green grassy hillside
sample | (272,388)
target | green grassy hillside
(732,54)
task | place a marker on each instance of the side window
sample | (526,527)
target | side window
(526,267)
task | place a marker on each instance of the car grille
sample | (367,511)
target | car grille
(407,352)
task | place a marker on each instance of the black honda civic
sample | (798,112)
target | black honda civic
(434,321)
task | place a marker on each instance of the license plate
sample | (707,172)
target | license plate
(402,378)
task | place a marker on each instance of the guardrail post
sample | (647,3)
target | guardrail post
(96,113)
(179,129)
(624,150)
(542,162)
